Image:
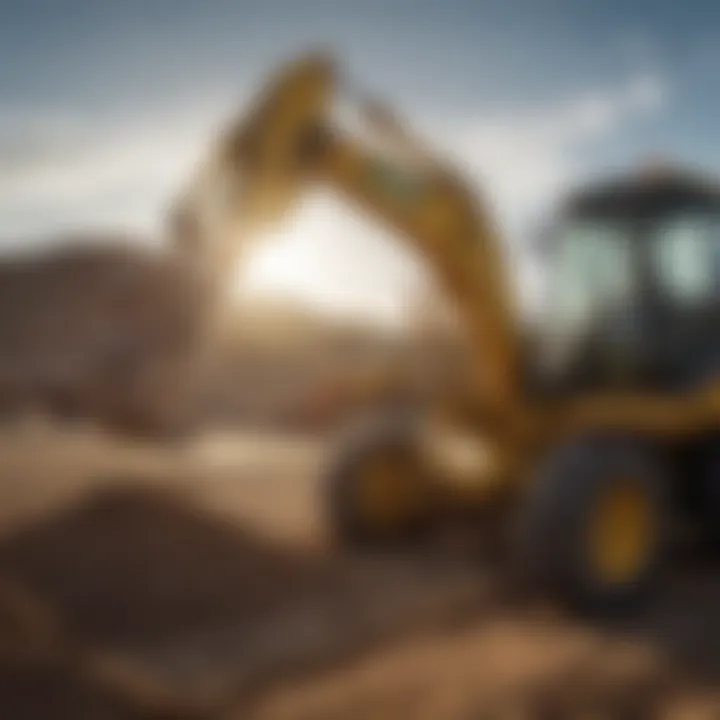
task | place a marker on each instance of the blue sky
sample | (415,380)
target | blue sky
(105,105)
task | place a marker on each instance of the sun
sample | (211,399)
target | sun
(333,259)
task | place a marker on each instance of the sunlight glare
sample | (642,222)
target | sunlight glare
(334,260)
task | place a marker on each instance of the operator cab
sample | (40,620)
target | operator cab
(632,295)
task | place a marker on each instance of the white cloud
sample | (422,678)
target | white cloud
(63,172)
(526,159)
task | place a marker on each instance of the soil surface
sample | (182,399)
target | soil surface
(140,582)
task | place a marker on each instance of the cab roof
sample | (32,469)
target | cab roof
(652,191)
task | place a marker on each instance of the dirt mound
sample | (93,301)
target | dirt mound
(131,566)
(91,330)
(149,599)
(94,599)
(135,603)
(30,692)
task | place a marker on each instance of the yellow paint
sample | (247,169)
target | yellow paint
(389,490)
(621,532)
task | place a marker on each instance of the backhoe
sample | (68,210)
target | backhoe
(599,433)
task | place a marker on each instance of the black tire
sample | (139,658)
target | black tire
(705,506)
(364,443)
(557,514)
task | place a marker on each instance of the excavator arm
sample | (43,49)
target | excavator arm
(288,142)
(434,213)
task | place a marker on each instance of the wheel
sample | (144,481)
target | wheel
(377,488)
(702,498)
(596,525)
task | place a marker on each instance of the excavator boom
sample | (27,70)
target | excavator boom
(451,230)
(289,141)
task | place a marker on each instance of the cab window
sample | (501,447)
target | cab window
(687,250)
(592,272)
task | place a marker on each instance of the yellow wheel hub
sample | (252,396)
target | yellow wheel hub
(621,533)
(390,490)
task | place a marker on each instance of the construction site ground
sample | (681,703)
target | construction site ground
(139,581)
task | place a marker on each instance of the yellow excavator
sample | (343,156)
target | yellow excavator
(599,433)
